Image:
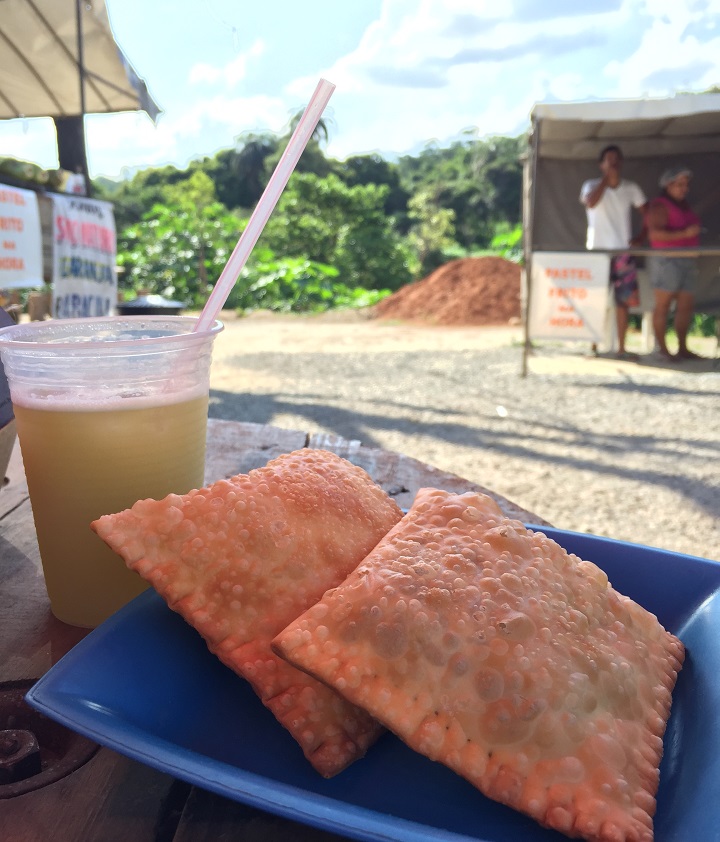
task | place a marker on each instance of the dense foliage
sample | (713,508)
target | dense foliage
(344,233)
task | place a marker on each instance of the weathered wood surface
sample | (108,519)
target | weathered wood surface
(236,448)
(112,798)
(402,476)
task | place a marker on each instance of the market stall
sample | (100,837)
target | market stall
(59,59)
(564,145)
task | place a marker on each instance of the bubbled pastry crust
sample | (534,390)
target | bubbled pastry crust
(245,556)
(490,649)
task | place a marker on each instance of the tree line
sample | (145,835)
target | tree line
(344,233)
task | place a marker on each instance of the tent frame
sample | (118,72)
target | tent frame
(60,60)
(564,142)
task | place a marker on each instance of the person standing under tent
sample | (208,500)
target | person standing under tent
(673,224)
(608,202)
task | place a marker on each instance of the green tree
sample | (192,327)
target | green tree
(321,132)
(508,242)
(373,169)
(241,174)
(432,230)
(295,284)
(346,227)
(313,158)
(134,197)
(197,191)
(500,161)
(181,246)
(354,216)
(480,180)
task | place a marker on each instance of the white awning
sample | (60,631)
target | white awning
(40,66)
(682,125)
(654,134)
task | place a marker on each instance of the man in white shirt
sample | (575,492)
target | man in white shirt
(609,201)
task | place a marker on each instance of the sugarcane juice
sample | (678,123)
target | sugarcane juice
(83,463)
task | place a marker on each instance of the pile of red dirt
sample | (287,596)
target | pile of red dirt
(469,291)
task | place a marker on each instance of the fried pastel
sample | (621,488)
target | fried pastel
(242,558)
(491,649)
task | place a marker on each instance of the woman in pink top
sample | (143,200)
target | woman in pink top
(672,224)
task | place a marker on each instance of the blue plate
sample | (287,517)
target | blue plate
(144,684)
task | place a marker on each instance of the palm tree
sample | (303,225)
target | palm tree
(321,132)
(313,159)
(242,175)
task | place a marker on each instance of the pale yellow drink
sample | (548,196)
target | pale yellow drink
(83,464)
(109,411)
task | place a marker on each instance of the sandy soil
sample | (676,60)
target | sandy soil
(349,332)
(623,449)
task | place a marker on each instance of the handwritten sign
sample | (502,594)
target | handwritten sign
(84,251)
(569,296)
(20,239)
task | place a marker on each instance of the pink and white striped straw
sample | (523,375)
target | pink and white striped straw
(266,204)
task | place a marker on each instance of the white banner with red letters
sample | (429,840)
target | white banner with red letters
(84,252)
(569,295)
(20,239)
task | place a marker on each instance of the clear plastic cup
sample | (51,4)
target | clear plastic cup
(108,411)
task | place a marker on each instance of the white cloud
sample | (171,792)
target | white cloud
(429,70)
(131,137)
(236,113)
(570,86)
(30,140)
(205,126)
(203,73)
(668,51)
(415,45)
(231,73)
(440,33)
(422,70)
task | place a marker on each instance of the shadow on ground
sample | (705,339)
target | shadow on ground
(552,445)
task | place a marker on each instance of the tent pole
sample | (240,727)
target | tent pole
(529,218)
(81,75)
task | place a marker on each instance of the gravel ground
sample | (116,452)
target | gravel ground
(624,450)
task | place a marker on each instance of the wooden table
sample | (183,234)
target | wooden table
(112,798)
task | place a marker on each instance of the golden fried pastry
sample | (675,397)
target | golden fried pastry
(243,557)
(491,649)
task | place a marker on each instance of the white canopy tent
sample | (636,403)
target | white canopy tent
(566,139)
(564,146)
(59,59)
(51,49)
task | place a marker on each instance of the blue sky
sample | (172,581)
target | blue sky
(408,72)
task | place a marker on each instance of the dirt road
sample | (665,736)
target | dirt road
(627,450)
